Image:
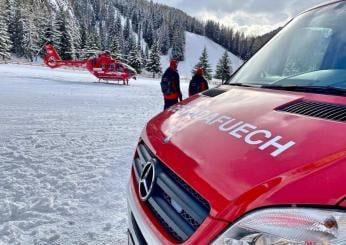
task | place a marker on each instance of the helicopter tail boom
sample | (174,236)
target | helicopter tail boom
(53,60)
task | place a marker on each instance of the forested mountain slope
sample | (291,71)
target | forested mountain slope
(125,27)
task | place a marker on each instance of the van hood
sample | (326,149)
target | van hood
(241,153)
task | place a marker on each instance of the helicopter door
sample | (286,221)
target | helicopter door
(112,67)
(103,67)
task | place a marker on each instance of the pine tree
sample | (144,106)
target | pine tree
(101,24)
(108,25)
(145,55)
(224,68)
(164,40)
(148,33)
(139,41)
(56,34)
(117,26)
(65,49)
(146,52)
(44,26)
(73,29)
(115,49)
(127,29)
(31,39)
(83,37)
(6,13)
(178,48)
(134,59)
(46,31)
(5,41)
(92,45)
(204,63)
(16,29)
(6,9)
(118,33)
(129,44)
(154,62)
(135,22)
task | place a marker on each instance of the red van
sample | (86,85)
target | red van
(260,160)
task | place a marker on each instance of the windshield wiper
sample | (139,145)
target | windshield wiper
(309,89)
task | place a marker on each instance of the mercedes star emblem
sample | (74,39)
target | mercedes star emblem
(147,181)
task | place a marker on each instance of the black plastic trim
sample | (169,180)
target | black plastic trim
(135,233)
(182,198)
(168,214)
(144,155)
(214,92)
(328,111)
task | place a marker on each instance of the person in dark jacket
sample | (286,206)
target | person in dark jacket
(198,83)
(170,85)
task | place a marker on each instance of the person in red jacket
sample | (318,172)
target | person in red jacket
(198,83)
(170,85)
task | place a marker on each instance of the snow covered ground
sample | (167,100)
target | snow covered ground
(193,50)
(66,145)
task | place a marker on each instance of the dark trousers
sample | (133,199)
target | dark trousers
(169,103)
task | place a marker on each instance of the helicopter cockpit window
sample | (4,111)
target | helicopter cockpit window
(103,66)
(119,68)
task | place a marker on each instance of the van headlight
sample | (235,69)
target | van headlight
(287,226)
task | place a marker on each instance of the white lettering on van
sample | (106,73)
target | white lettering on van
(245,128)
(280,148)
(250,137)
(264,139)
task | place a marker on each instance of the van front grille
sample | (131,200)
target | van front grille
(179,209)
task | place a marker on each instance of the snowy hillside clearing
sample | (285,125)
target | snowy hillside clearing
(193,50)
(66,146)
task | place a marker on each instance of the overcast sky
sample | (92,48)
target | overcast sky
(250,16)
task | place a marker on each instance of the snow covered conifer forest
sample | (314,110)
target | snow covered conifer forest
(128,28)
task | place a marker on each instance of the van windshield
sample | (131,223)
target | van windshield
(309,52)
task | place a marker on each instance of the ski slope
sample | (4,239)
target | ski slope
(66,147)
(193,50)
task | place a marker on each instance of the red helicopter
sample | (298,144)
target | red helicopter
(103,66)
